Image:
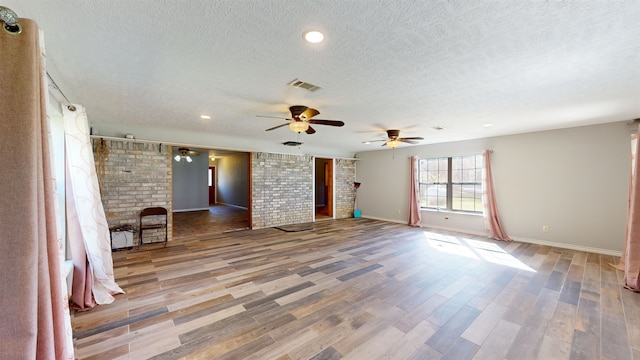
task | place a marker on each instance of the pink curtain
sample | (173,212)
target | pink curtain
(33,306)
(630,259)
(414,196)
(491,218)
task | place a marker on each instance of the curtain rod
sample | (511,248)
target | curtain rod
(55,86)
(409,157)
(10,24)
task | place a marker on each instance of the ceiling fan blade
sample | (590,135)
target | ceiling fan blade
(275,127)
(309,113)
(310,131)
(411,138)
(273,117)
(385,143)
(326,122)
(408,141)
(296,110)
(193,153)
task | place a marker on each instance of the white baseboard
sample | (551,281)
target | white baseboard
(195,209)
(232,205)
(517,238)
(568,246)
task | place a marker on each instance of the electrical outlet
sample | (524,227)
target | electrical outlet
(398,211)
(545,228)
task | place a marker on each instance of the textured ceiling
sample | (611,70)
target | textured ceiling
(152,67)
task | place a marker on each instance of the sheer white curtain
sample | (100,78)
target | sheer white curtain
(490,207)
(93,279)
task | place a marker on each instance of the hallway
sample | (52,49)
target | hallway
(217,220)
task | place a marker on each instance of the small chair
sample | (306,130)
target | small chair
(158,221)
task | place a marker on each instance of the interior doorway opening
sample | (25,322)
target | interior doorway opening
(211,193)
(323,197)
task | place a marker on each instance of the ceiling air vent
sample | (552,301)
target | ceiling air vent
(291,143)
(304,85)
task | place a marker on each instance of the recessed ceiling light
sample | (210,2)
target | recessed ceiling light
(206,117)
(313,36)
(487,125)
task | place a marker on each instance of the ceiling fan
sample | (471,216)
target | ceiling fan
(301,118)
(185,154)
(394,139)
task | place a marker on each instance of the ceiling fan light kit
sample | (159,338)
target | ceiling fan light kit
(185,155)
(394,139)
(299,126)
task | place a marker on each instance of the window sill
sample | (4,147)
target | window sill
(451,212)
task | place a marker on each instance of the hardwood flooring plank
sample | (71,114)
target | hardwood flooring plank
(528,340)
(585,346)
(449,333)
(554,348)
(118,323)
(481,327)
(327,354)
(562,325)
(498,342)
(449,309)
(462,349)
(358,272)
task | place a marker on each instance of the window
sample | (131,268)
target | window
(453,183)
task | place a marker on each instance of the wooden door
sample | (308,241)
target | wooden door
(329,186)
(212,185)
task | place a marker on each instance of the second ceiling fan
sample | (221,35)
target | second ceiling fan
(394,139)
(301,118)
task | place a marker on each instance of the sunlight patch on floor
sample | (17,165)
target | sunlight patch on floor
(474,249)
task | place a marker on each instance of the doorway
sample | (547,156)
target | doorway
(324,188)
(212,185)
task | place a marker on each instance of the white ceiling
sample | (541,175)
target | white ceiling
(152,68)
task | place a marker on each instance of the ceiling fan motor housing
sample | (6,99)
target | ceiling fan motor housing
(393,134)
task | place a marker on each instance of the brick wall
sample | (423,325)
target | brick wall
(136,175)
(281,189)
(345,172)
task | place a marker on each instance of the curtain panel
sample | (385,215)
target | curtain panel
(414,193)
(33,302)
(490,207)
(89,237)
(630,259)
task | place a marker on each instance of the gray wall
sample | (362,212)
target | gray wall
(191,183)
(233,180)
(573,180)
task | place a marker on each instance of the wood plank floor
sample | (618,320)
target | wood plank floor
(361,289)
(216,220)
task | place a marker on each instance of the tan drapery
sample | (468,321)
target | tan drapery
(491,218)
(414,194)
(630,259)
(33,305)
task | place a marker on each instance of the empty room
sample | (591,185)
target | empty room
(327,179)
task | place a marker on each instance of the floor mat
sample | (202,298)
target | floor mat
(296,227)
